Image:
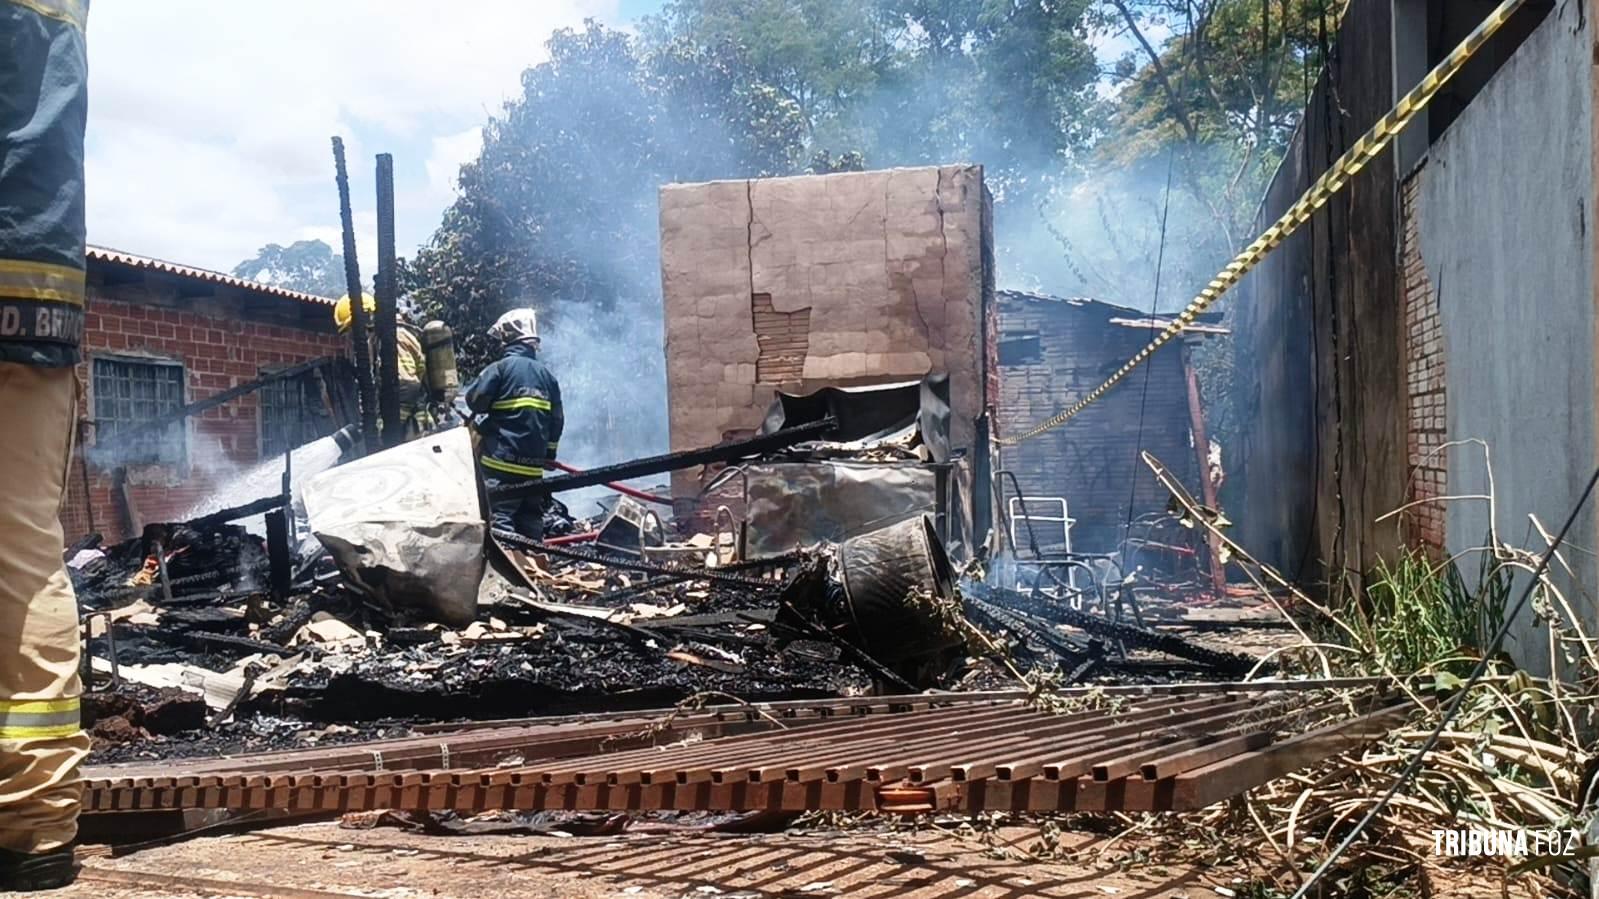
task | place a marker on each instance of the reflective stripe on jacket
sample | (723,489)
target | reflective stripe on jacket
(521,404)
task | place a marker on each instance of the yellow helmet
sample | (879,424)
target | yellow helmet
(343,315)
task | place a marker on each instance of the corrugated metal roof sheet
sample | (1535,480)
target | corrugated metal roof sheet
(106,254)
(1154,324)
(1205,323)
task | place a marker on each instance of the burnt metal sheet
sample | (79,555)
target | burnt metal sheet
(872,412)
(801,503)
(405,525)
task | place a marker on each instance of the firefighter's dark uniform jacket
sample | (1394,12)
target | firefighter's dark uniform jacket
(521,404)
(43,107)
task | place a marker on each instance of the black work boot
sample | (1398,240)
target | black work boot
(26,872)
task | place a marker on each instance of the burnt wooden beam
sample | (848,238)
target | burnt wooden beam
(352,281)
(388,310)
(727,452)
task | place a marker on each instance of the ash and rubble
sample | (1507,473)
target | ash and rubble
(211,658)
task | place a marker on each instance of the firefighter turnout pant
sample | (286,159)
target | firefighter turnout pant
(518,514)
(42,743)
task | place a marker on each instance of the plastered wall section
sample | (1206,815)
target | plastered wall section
(1506,213)
(888,264)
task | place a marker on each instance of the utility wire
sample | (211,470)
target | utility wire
(1416,761)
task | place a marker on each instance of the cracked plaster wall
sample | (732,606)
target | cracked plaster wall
(889,263)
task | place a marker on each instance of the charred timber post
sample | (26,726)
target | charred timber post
(388,309)
(352,282)
(727,452)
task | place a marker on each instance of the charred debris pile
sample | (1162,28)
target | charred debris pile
(204,638)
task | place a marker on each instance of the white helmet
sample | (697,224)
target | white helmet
(516,326)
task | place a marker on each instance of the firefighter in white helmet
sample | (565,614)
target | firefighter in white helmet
(414,414)
(519,402)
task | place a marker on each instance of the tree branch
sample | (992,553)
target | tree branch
(1159,68)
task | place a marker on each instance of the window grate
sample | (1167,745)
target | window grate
(128,394)
(292,414)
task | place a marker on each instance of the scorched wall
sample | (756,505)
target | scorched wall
(807,282)
(1051,352)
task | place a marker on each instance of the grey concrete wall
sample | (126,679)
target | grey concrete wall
(1505,209)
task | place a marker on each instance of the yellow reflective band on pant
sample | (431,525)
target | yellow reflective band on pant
(24,280)
(73,12)
(29,719)
(522,402)
(526,471)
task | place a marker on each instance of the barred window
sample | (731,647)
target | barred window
(293,414)
(128,394)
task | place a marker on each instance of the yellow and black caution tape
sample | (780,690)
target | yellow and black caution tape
(1333,180)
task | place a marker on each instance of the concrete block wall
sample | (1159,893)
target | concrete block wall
(1425,387)
(800,283)
(217,353)
(1506,212)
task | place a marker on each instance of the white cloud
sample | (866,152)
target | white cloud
(449,154)
(209,122)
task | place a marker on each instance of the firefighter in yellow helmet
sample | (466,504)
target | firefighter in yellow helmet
(412,359)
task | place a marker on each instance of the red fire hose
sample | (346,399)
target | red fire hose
(619,488)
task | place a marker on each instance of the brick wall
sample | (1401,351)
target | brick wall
(816,281)
(1093,460)
(219,348)
(1426,413)
(784,339)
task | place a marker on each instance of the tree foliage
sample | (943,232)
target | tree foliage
(558,211)
(309,266)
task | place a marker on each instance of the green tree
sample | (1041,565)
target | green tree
(1224,94)
(1208,102)
(821,55)
(559,210)
(309,266)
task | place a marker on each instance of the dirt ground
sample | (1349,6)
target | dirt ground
(321,860)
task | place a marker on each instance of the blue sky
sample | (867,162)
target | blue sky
(209,133)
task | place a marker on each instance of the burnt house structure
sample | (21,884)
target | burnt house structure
(1047,352)
(159,336)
